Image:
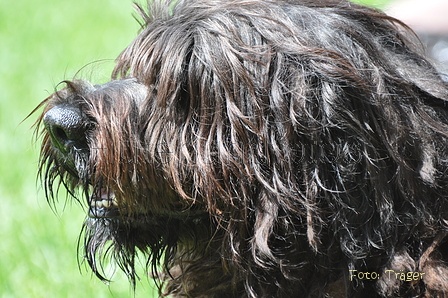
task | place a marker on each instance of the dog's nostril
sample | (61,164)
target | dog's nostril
(65,124)
(60,134)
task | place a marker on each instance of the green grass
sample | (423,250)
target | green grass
(42,43)
(374,3)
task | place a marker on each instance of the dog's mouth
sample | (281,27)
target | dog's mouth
(103,204)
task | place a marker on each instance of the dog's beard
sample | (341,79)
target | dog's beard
(106,239)
(101,242)
(122,239)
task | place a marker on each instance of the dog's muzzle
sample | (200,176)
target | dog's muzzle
(67,127)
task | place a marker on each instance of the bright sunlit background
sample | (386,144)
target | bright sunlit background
(43,42)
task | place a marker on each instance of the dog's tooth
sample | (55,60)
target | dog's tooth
(103,203)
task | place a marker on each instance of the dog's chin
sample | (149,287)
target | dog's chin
(112,233)
(110,226)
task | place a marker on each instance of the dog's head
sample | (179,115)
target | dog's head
(93,144)
(258,132)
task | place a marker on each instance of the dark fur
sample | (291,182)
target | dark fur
(263,149)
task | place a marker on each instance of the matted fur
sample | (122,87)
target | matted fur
(263,149)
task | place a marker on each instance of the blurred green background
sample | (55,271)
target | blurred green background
(43,42)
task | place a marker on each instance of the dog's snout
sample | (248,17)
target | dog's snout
(66,126)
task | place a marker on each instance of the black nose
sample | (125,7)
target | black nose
(67,127)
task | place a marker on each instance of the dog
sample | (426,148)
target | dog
(248,148)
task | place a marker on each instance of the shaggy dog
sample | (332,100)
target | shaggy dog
(254,148)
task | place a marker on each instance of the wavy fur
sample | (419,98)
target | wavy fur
(266,149)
